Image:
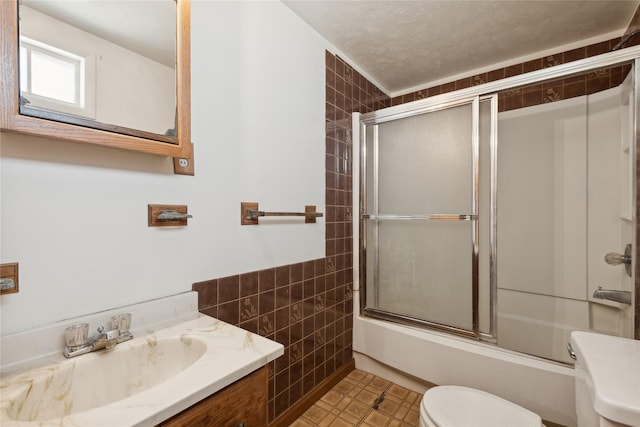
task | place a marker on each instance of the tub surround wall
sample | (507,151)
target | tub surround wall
(549,298)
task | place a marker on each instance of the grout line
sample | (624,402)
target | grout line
(362,418)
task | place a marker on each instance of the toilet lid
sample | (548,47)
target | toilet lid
(456,406)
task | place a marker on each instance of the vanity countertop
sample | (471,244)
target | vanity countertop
(229,354)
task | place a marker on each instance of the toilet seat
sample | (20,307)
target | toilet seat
(456,406)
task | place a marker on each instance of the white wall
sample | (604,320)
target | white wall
(75,216)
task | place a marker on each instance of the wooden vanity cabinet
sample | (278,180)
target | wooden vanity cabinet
(243,403)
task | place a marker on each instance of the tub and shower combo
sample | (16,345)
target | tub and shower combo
(488,231)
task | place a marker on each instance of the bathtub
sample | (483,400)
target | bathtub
(546,388)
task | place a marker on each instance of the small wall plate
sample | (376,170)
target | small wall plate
(310,219)
(9,275)
(184,166)
(244,206)
(154,210)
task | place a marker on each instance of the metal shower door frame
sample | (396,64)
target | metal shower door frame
(375,217)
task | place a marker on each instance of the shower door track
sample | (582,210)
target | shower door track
(412,321)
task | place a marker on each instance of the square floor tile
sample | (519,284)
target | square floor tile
(350,404)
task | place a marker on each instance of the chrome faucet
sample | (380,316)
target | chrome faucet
(79,343)
(106,340)
(623,297)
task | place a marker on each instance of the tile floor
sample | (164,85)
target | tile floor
(351,402)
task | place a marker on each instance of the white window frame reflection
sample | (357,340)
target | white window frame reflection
(79,97)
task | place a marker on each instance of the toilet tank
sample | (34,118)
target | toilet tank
(607,380)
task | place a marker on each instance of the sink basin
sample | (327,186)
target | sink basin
(100,378)
(177,358)
(139,383)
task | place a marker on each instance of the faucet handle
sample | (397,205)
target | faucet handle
(121,322)
(613,258)
(76,335)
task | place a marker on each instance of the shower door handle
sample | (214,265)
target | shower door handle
(437,217)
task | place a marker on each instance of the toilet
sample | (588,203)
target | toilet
(606,367)
(457,406)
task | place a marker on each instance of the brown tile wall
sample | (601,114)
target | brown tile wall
(540,93)
(306,307)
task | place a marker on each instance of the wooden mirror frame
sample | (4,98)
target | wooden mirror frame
(11,119)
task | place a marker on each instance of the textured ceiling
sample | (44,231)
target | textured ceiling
(404,45)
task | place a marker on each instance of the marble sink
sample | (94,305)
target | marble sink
(100,378)
(139,383)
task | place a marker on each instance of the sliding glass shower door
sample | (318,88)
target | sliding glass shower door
(431,223)
(420,211)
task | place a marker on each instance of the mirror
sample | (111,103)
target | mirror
(112,73)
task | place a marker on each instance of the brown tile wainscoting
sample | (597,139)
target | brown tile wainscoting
(307,307)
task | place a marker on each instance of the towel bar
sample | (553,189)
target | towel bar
(249,213)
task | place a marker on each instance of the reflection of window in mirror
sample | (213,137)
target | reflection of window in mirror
(134,88)
(139,104)
(55,79)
